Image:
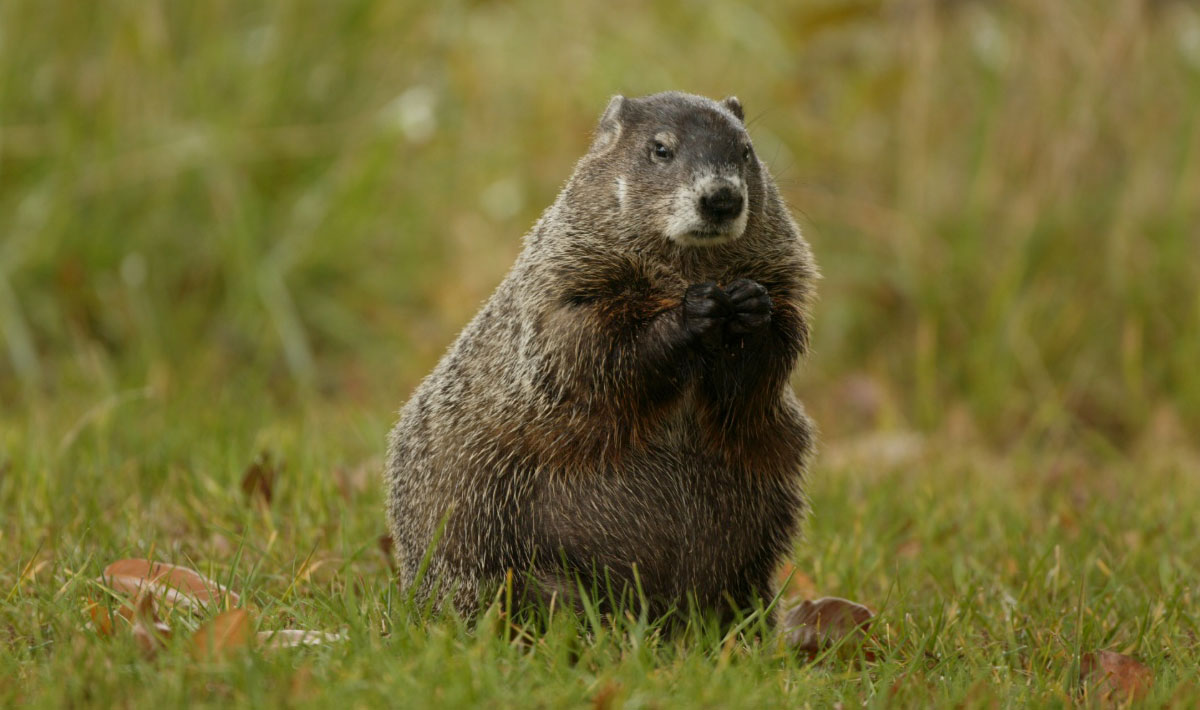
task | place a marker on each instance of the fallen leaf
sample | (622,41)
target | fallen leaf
(794,584)
(603,699)
(228,631)
(149,584)
(102,620)
(289,638)
(258,483)
(388,546)
(149,632)
(1114,677)
(170,585)
(814,626)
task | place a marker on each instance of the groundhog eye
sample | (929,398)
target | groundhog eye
(746,153)
(661,151)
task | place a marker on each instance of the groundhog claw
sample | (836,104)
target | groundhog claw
(745,323)
(751,306)
(705,309)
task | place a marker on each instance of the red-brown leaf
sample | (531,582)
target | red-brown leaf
(228,631)
(1114,677)
(170,585)
(102,620)
(603,699)
(258,482)
(149,632)
(814,626)
(794,584)
(388,547)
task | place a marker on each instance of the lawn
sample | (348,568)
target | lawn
(235,234)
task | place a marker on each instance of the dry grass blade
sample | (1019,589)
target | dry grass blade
(1114,678)
(171,585)
(228,631)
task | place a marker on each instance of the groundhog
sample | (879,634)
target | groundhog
(618,414)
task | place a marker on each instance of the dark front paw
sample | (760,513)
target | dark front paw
(750,306)
(706,308)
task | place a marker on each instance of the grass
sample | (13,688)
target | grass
(991,573)
(228,229)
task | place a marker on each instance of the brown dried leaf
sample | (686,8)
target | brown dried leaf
(258,483)
(1114,677)
(228,631)
(151,636)
(102,620)
(131,587)
(289,638)
(603,699)
(149,632)
(816,625)
(794,584)
(170,585)
(388,546)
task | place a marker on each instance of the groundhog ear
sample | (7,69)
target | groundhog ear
(609,127)
(734,106)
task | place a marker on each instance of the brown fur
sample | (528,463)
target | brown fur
(607,410)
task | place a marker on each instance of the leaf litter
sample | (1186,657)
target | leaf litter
(1114,678)
(170,585)
(814,626)
(258,482)
(144,587)
(811,624)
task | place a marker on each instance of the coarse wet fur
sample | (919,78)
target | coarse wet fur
(619,410)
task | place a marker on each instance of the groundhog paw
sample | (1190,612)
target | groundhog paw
(706,308)
(751,306)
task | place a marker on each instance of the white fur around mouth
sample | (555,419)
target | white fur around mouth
(685,225)
(705,238)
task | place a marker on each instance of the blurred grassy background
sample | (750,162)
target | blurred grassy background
(306,201)
(231,227)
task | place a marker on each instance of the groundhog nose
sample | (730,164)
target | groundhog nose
(721,204)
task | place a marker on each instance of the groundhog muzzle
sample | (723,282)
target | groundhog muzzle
(618,414)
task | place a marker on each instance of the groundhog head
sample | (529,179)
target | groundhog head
(679,166)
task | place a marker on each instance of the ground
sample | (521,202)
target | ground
(234,234)
(991,574)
